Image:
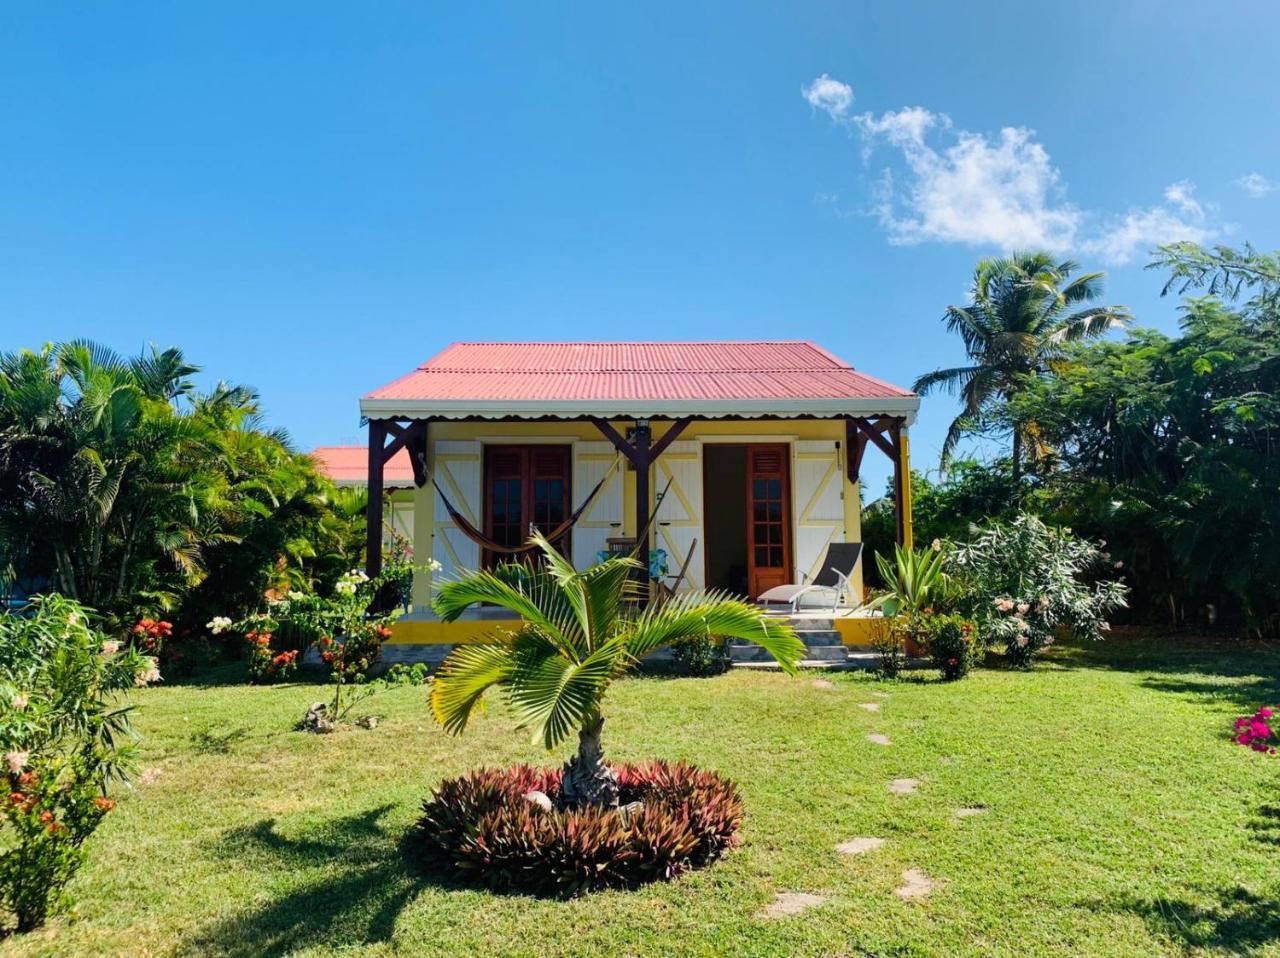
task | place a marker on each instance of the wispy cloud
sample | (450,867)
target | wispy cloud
(1256,185)
(951,185)
(830,95)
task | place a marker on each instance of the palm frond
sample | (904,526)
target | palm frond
(713,614)
(463,678)
(554,696)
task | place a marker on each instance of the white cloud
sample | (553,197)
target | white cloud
(950,185)
(1255,184)
(1139,231)
(1183,195)
(829,94)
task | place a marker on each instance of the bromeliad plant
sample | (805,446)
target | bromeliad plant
(577,635)
(914,580)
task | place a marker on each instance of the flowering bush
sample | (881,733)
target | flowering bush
(64,739)
(506,828)
(266,664)
(1020,580)
(952,644)
(149,635)
(1257,732)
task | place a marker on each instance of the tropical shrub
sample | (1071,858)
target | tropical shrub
(886,642)
(404,673)
(1021,580)
(952,644)
(576,636)
(701,656)
(1256,731)
(65,738)
(514,829)
(913,580)
(265,663)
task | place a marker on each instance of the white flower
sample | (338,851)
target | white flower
(17,761)
(345,587)
(936,545)
(218,624)
(1118,565)
(20,700)
(435,565)
(110,647)
(149,674)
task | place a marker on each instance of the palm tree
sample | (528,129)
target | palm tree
(576,636)
(1022,315)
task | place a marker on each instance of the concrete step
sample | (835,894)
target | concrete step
(821,638)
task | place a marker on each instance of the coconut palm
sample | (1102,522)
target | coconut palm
(1024,310)
(577,635)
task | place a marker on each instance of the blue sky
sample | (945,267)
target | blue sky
(312,198)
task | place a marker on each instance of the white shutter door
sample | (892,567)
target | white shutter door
(818,507)
(679,517)
(603,517)
(457,469)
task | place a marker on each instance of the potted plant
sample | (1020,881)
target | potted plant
(913,581)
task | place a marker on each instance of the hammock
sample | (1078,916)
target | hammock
(478,537)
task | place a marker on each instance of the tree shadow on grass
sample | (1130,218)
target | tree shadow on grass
(341,884)
(1266,827)
(1240,922)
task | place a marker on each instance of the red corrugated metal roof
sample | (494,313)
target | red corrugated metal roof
(713,371)
(350,464)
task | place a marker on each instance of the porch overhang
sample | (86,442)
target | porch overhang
(905,408)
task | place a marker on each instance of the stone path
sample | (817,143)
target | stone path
(823,684)
(904,786)
(915,884)
(869,706)
(788,903)
(970,810)
(876,738)
(859,846)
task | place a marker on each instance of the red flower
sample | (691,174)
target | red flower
(384,632)
(105,804)
(46,816)
(17,798)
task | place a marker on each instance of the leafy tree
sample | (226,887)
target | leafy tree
(576,635)
(1023,312)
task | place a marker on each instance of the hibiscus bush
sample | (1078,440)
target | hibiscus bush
(1021,580)
(1256,731)
(952,644)
(66,738)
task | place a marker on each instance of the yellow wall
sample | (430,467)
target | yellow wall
(710,431)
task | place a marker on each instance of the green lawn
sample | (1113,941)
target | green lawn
(1120,821)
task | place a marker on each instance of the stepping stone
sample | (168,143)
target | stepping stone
(877,739)
(970,810)
(823,684)
(904,786)
(869,706)
(859,846)
(915,884)
(788,903)
(880,695)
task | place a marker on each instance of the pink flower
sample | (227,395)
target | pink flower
(1022,641)
(1265,712)
(110,647)
(20,700)
(17,761)
(1023,608)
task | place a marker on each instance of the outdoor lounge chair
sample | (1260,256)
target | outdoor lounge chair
(834,578)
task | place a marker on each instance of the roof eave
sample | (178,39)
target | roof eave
(830,408)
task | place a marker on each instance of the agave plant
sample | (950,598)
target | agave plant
(577,634)
(914,580)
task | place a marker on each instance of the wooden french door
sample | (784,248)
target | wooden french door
(768,518)
(524,486)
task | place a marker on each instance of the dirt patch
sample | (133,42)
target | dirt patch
(904,786)
(823,684)
(915,884)
(859,846)
(788,903)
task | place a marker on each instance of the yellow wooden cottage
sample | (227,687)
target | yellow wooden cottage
(737,461)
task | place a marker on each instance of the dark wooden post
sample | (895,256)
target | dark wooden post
(373,517)
(643,461)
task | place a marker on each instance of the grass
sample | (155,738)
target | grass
(1120,820)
